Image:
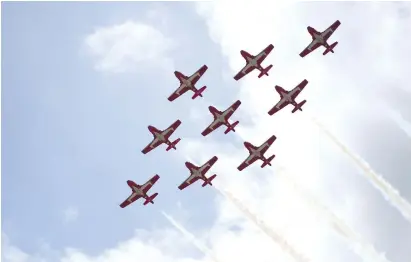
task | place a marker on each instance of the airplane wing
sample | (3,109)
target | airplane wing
(245,70)
(153,144)
(204,168)
(232,109)
(190,180)
(133,197)
(197,75)
(267,144)
(179,91)
(311,47)
(277,107)
(248,161)
(261,56)
(150,183)
(297,90)
(213,126)
(330,30)
(170,130)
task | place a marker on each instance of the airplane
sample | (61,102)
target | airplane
(188,83)
(288,97)
(161,137)
(199,173)
(257,153)
(254,62)
(320,39)
(221,118)
(139,191)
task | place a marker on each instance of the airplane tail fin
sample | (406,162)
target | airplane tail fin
(299,106)
(173,144)
(268,161)
(231,127)
(265,71)
(150,199)
(198,92)
(330,48)
(208,180)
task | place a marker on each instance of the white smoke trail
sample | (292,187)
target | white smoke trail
(400,121)
(190,237)
(363,249)
(391,194)
(276,237)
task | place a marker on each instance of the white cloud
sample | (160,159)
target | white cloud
(251,27)
(70,214)
(121,48)
(11,253)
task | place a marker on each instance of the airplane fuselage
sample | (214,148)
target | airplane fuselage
(196,173)
(319,38)
(287,97)
(159,137)
(220,118)
(138,191)
(255,153)
(252,61)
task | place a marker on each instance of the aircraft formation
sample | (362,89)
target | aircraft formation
(187,83)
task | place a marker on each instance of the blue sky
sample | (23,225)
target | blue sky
(81,83)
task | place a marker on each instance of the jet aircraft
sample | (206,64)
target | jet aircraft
(288,97)
(161,137)
(257,153)
(320,39)
(221,118)
(188,83)
(139,191)
(254,62)
(197,173)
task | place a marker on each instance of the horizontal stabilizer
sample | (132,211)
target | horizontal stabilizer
(299,106)
(330,48)
(208,180)
(231,127)
(265,71)
(173,144)
(268,161)
(150,199)
(198,92)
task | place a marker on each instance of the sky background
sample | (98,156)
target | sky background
(82,81)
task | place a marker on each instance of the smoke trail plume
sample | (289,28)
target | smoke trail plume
(391,194)
(276,237)
(363,249)
(190,237)
(400,121)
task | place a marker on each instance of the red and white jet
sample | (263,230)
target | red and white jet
(199,173)
(188,83)
(139,191)
(288,97)
(221,118)
(254,62)
(258,153)
(320,39)
(161,137)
